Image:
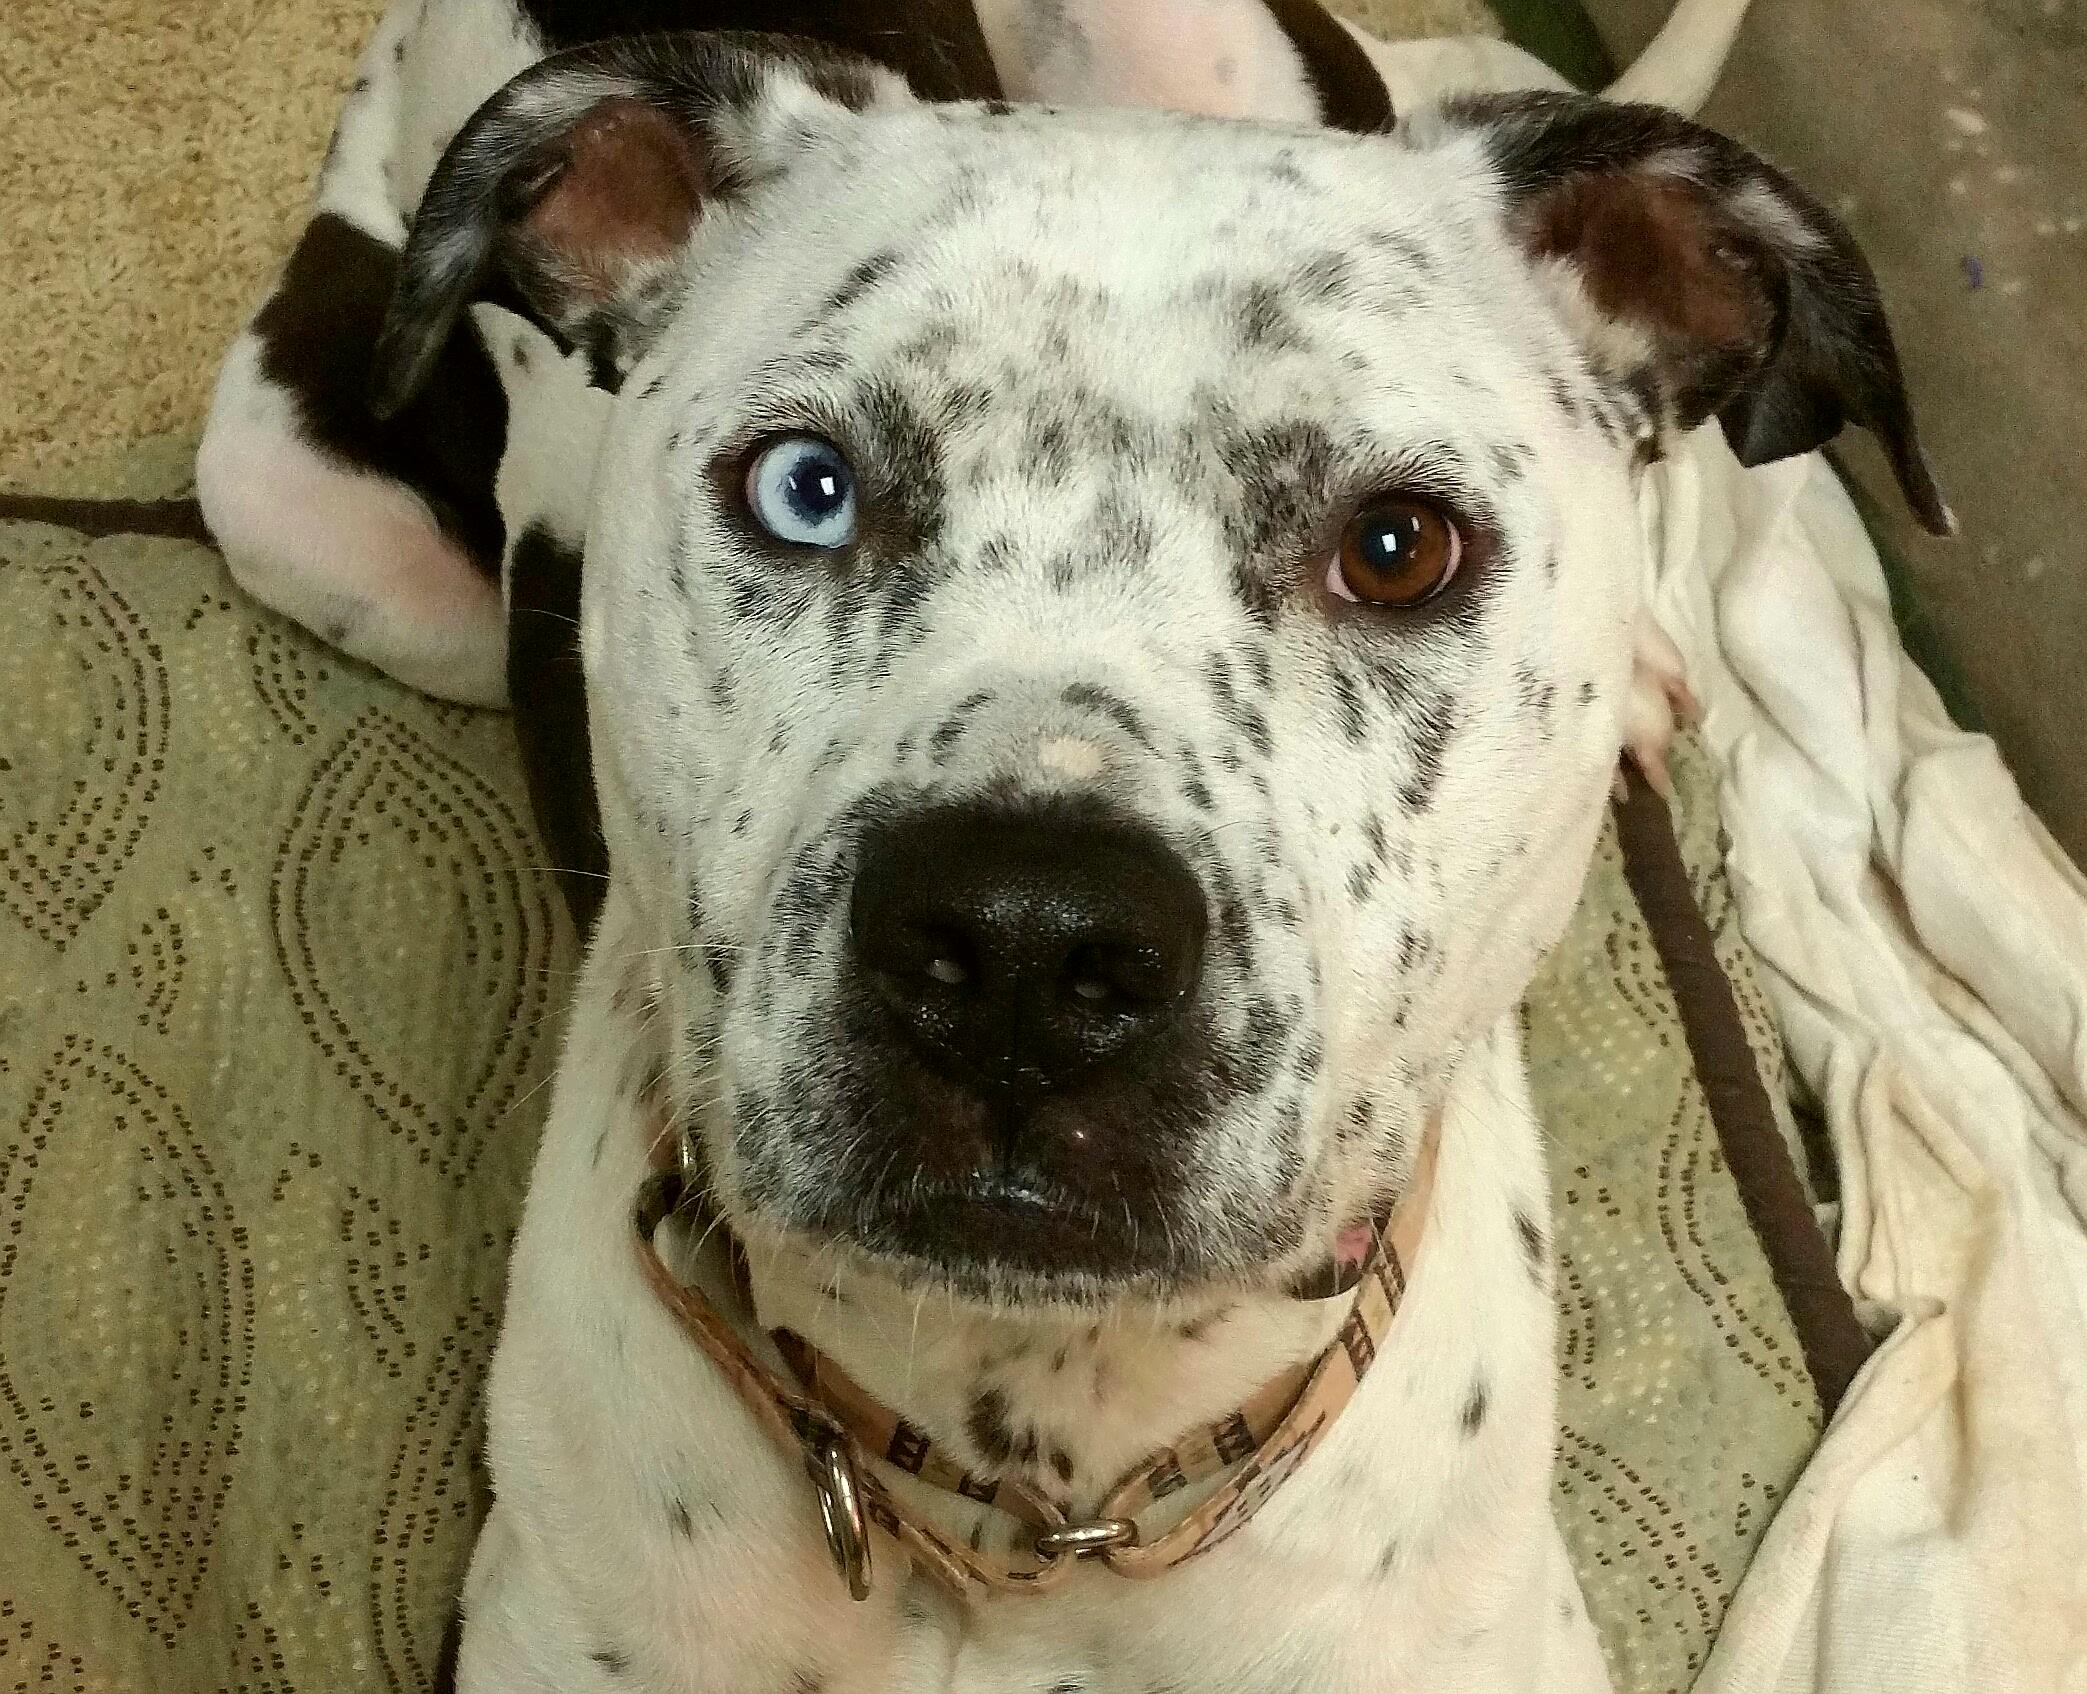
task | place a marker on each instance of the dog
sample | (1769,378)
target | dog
(1106,632)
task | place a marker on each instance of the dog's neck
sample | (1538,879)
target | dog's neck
(1064,1402)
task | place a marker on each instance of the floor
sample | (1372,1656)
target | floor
(1953,136)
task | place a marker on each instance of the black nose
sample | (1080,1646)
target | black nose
(1020,951)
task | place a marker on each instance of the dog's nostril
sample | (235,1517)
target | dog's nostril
(1091,989)
(1103,976)
(1019,951)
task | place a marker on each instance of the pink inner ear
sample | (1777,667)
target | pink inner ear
(1654,250)
(628,191)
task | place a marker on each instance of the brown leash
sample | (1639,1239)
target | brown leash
(838,1430)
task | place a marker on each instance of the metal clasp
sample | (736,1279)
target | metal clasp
(1084,1540)
(840,1511)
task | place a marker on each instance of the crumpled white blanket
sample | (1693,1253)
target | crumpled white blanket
(1926,945)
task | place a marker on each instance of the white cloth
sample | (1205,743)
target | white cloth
(1926,945)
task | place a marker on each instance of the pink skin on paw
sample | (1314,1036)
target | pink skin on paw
(1658,700)
(1216,58)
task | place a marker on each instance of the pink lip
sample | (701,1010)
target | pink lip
(1351,1248)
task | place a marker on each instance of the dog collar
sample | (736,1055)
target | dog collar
(841,1433)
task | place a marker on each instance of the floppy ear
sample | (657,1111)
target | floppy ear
(1703,278)
(569,194)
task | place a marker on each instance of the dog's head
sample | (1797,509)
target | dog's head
(1105,632)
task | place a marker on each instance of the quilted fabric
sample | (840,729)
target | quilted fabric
(281,979)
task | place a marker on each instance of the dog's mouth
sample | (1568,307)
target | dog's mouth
(1009,1231)
(1013,1239)
(1010,1225)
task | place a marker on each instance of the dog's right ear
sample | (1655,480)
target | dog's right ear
(569,194)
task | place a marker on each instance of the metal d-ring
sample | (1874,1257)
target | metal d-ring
(840,1510)
(1084,1540)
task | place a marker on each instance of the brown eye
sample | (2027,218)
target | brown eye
(1396,552)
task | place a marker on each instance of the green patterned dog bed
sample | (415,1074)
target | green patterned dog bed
(281,981)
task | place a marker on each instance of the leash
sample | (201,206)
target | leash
(837,1428)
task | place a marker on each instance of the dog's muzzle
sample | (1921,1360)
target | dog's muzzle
(1024,978)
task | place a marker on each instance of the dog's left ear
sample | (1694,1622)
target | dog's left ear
(569,195)
(1703,277)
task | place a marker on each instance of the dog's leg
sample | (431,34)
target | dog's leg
(384,540)
(519,1636)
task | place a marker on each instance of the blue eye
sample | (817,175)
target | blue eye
(801,491)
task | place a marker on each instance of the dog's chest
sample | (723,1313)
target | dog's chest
(678,1548)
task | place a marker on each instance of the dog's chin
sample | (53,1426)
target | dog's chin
(1006,1242)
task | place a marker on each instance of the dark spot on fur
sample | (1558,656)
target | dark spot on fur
(1473,1416)
(1348,698)
(1326,276)
(1402,248)
(990,1431)
(1262,318)
(1431,734)
(860,281)
(1285,474)
(1534,1247)
(1111,706)
(615,1663)
(1508,460)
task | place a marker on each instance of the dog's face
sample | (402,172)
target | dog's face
(1104,637)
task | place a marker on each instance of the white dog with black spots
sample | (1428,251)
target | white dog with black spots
(1105,636)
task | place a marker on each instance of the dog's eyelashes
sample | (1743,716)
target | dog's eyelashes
(1398,551)
(801,491)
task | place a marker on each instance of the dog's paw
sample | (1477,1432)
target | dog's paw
(1658,702)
